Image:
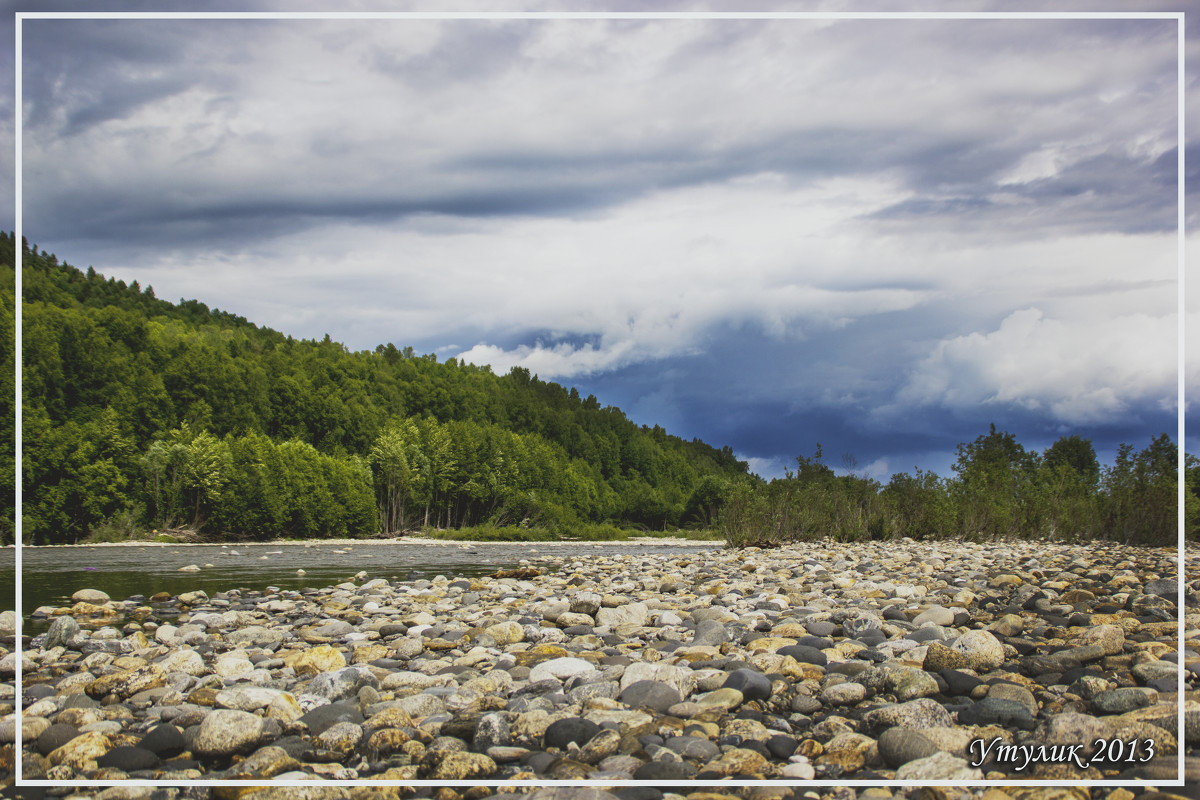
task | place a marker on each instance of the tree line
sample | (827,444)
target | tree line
(142,413)
(998,489)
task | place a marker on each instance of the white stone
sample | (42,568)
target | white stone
(231,664)
(635,614)
(560,669)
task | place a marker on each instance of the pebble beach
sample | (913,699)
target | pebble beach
(998,662)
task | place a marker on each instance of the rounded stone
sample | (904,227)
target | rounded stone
(316,660)
(560,669)
(128,759)
(90,596)
(164,740)
(938,615)
(225,732)
(752,684)
(341,737)
(899,746)
(693,747)
(844,694)
(804,654)
(62,629)
(981,650)
(492,731)
(82,752)
(650,694)
(939,767)
(710,632)
(572,729)
(659,771)
(909,683)
(55,737)
(998,711)
(462,766)
(924,712)
(1121,701)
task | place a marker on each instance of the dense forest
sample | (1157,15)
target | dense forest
(141,413)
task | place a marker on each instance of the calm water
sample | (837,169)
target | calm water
(50,575)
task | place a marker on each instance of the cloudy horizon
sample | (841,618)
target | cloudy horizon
(881,235)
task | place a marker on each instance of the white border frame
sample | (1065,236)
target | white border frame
(1181,145)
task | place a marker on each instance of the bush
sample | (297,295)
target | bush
(120,528)
(999,490)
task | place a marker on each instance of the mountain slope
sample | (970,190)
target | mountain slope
(148,412)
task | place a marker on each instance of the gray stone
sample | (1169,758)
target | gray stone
(844,694)
(1120,701)
(492,732)
(899,746)
(654,695)
(913,715)
(909,683)
(342,683)
(1163,587)
(62,629)
(710,632)
(693,747)
(938,615)
(1011,691)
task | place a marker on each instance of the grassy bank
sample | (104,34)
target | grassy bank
(477,533)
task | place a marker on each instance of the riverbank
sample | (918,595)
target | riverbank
(862,662)
(633,541)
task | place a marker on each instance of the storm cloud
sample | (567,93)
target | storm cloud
(878,234)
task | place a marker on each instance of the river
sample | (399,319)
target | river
(50,575)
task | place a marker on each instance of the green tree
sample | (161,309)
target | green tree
(1142,504)
(394,459)
(993,475)
(1077,453)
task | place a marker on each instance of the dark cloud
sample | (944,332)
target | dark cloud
(885,144)
(1106,192)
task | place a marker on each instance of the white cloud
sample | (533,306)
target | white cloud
(1080,372)
(576,197)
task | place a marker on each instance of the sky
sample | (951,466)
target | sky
(880,235)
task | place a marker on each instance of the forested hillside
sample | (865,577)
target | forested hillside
(144,413)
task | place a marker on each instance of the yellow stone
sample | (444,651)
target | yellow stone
(82,751)
(369,653)
(406,773)
(770,643)
(82,609)
(793,630)
(315,660)
(1156,649)
(997,794)
(129,662)
(539,653)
